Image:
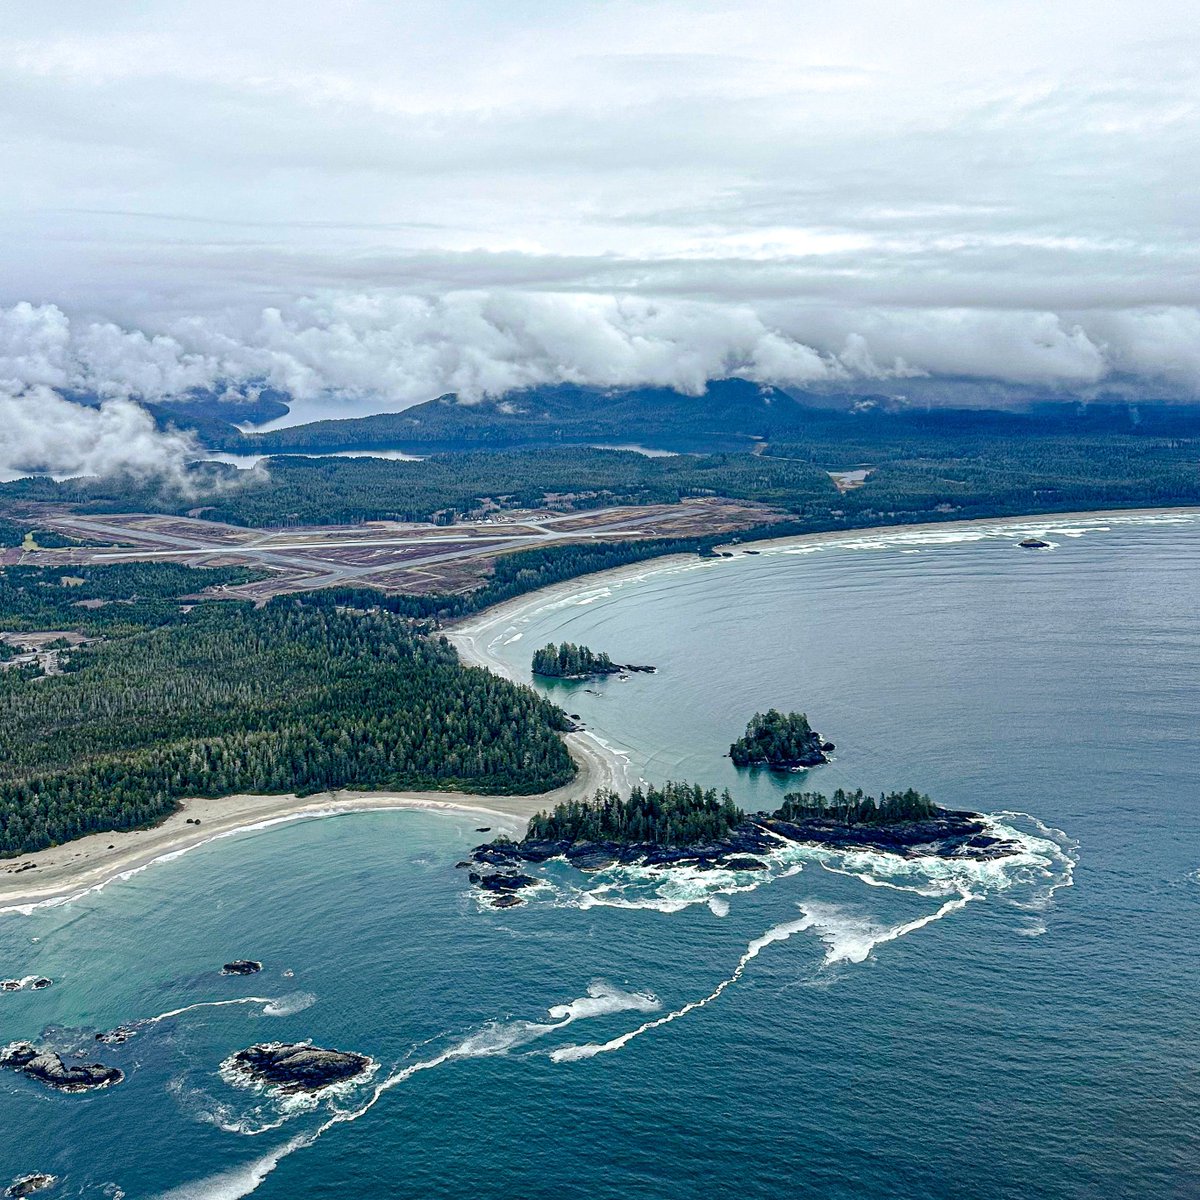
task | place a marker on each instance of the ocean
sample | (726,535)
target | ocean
(842,1026)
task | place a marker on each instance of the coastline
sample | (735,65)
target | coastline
(88,864)
(472,634)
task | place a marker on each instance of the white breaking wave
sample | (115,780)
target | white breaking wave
(285,1006)
(1043,863)
(187,1008)
(777,933)
(851,938)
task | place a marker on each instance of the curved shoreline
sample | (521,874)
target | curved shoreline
(91,863)
(470,636)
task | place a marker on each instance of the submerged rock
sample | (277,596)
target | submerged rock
(506,901)
(297,1066)
(501,883)
(118,1036)
(242,966)
(744,864)
(10,985)
(28,1184)
(47,1067)
(41,983)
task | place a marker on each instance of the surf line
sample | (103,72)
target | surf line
(777,933)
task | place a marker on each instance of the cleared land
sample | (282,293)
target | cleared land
(394,556)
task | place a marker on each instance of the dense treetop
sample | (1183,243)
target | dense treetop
(777,740)
(569,661)
(676,814)
(856,808)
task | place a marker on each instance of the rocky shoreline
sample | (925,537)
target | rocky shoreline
(612,669)
(496,867)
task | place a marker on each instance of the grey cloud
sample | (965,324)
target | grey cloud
(379,205)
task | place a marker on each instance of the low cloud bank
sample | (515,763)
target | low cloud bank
(45,434)
(383,351)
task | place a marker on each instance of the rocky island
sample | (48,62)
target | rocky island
(47,1067)
(781,742)
(295,1067)
(569,661)
(242,966)
(27,1185)
(682,824)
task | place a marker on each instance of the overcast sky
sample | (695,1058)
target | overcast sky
(389,200)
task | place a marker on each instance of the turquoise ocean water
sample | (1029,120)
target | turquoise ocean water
(849,1027)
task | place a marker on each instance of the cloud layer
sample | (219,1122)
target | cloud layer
(375,203)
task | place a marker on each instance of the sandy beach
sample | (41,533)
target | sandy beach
(91,862)
(62,872)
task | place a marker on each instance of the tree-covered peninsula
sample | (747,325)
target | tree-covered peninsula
(783,742)
(210,697)
(686,825)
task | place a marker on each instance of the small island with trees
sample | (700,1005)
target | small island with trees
(783,742)
(686,825)
(569,661)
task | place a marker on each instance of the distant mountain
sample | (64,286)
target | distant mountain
(730,415)
(213,413)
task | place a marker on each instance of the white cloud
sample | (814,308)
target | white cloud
(43,433)
(390,201)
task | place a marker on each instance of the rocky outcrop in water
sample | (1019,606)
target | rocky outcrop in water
(948,835)
(242,966)
(1032,543)
(297,1066)
(118,1036)
(26,1185)
(37,983)
(48,1068)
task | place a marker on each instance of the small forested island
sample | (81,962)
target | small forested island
(569,661)
(783,742)
(684,824)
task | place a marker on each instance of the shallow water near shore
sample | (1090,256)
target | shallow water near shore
(846,1025)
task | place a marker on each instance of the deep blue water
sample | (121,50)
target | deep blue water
(1022,1031)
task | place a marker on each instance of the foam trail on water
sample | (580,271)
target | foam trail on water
(240,1181)
(493,1039)
(187,1008)
(851,939)
(846,939)
(777,933)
